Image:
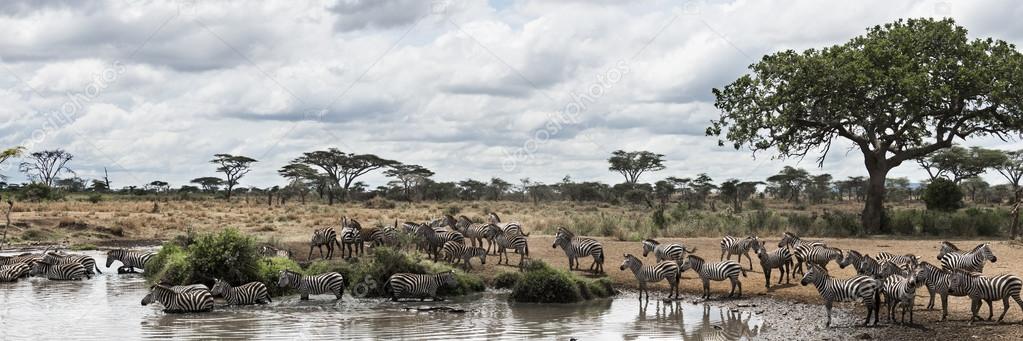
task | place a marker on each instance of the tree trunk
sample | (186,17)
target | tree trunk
(873,208)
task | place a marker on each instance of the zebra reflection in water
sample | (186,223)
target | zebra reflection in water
(714,323)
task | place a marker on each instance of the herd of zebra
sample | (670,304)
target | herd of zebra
(893,277)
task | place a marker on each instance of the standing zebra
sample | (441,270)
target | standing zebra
(11,273)
(832,290)
(22,258)
(87,262)
(972,261)
(73,271)
(797,247)
(177,301)
(435,240)
(325,283)
(245,294)
(351,238)
(901,291)
(880,271)
(579,247)
(130,260)
(777,259)
(980,287)
(325,236)
(662,252)
(512,227)
(947,247)
(506,240)
(822,255)
(476,233)
(408,285)
(387,236)
(714,271)
(739,247)
(903,260)
(854,258)
(665,270)
(938,281)
(456,252)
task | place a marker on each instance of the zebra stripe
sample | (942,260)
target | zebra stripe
(435,240)
(946,247)
(421,286)
(73,271)
(739,247)
(326,283)
(988,289)
(901,260)
(972,261)
(938,281)
(178,300)
(245,294)
(900,291)
(387,236)
(880,271)
(87,262)
(666,270)
(579,247)
(22,258)
(511,227)
(323,237)
(515,242)
(797,247)
(854,258)
(11,273)
(778,259)
(662,252)
(129,259)
(822,255)
(474,232)
(456,252)
(351,239)
(715,271)
(863,288)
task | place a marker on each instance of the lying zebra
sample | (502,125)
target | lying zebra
(187,299)
(326,283)
(665,270)
(421,286)
(245,294)
(714,271)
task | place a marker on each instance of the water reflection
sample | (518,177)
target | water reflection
(107,307)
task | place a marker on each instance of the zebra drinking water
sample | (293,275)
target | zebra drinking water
(665,270)
(130,260)
(87,262)
(863,288)
(325,283)
(421,286)
(579,247)
(739,247)
(716,272)
(980,287)
(245,294)
(179,301)
(662,252)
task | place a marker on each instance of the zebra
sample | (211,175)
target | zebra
(880,271)
(11,273)
(179,301)
(662,252)
(714,271)
(456,252)
(270,251)
(130,260)
(980,287)
(797,247)
(325,283)
(245,294)
(22,258)
(971,261)
(778,259)
(88,263)
(351,238)
(938,281)
(664,270)
(512,227)
(474,232)
(579,247)
(854,258)
(822,255)
(903,260)
(421,286)
(72,271)
(387,236)
(739,247)
(901,291)
(435,240)
(515,242)
(325,236)
(832,290)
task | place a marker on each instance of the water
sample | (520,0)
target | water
(108,307)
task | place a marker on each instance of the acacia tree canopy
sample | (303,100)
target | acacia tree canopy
(234,168)
(633,164)
(899,92)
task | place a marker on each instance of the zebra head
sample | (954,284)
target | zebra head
(563,237)
(40,267)
(868,266)
(287,278)
(448,278)
(985,252)
(156,294)
(961,281)
(648,246)
(946,247)
(630,262)
(814,274)
(220,287)
(692,262)
(113,255)
(788,238)
(852,257)
(494,219)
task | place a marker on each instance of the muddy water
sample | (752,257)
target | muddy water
(108,307)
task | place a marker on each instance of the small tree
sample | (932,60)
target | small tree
(958,163)
(234,168)
(943,195)
(10,153)
(633,164)
(343,168)
(208,183)
(411,177)
(45,166)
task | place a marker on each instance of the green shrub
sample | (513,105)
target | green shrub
(95,198)
(943,195)
(365,276)
(170,265)
(269,268)
(227,255)
(39,192)
(542,284)
(507,280)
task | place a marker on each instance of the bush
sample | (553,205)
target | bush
(227,255)
(366,276)
(543,284)
(453,210)
(379,203)
(943,195)
(507,280)
(39,192)
(95,198)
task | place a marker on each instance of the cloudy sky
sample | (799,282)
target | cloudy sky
(468,88)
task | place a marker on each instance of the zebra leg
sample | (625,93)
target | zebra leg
(930,304)
(974,307)
(750,261)
(723,252)
(1005,308)
(706,288)
(944,306)
(767,278)
(305,296)
(990,310)
(739,284)
(827,307)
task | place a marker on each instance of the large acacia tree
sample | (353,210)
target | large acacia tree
(343,168)
(899,92)
(234,168)
(633,164)
(45,166)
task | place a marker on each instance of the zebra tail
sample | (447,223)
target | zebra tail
(743,270)
(96,265)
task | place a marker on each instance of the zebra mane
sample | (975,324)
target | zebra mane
(651,241)
(857,253)
(566,232)
(494,218)
(949,245)
(978,247)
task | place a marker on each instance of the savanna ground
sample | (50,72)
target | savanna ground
(126,221)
